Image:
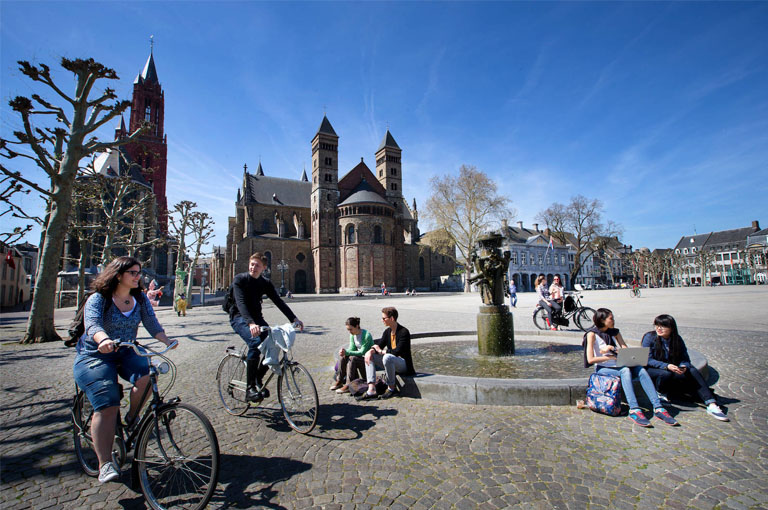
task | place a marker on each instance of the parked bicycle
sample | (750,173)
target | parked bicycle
(581,315)
(176,456)
(296,389)
(635,292)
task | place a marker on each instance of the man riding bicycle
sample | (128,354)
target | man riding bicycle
(246,318)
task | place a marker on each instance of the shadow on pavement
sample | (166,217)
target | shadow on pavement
(238,472)
(347,422)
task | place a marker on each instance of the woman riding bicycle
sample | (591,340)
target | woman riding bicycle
(546,300)
(113,311)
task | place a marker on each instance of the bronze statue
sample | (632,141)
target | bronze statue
(491,270)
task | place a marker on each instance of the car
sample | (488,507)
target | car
(600,286)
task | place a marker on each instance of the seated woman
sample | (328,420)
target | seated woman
(670,366)
(603,342)
(114,311)
(351,362)
(545,300)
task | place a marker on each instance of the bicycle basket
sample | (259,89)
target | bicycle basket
(569,304)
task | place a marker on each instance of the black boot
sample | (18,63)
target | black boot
(252,393)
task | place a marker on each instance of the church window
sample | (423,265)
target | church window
(268,255)
(393,171)
(377,238)
(148,112)
(351,234)
(329,197)
(381,173)
(300,257)
(421,268)
(265,225)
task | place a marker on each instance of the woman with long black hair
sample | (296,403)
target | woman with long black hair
(114,311)
(670,366)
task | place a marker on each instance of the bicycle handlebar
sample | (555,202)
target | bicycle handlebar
(119,343)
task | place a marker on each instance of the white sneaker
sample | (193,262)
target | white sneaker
(715,411)
(107,473)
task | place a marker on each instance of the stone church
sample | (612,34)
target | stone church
(333,234)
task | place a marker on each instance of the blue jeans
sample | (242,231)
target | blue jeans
(629,373)
(513,299)
(96,374)
(241,328)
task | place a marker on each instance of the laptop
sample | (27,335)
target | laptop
(632,357)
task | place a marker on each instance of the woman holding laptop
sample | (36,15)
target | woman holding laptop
(670,366)
(603,342)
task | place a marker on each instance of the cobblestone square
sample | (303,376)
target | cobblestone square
(417,453)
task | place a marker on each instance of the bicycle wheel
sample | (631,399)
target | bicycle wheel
(540,318)
(585,318)
(82,416)
(298,397)
(178,459)
(230,379)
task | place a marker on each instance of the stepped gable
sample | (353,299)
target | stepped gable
(349,182)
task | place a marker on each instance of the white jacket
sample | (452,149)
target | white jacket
(280,338)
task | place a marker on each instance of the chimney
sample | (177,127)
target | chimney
(520,225)
(755,225)
(536,227)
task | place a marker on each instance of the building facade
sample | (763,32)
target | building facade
(532,255)
(331,234)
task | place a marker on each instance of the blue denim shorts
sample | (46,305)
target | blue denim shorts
(96,375)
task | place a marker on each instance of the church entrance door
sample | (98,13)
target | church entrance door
(300,282)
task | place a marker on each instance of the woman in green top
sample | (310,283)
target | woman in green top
(351,362)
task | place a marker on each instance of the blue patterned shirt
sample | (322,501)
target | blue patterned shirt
(114,323)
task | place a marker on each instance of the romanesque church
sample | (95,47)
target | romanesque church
(333,234)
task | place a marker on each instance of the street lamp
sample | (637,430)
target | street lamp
(202,289)
(283,267)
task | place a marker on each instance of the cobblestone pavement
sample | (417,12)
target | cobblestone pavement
(410,453)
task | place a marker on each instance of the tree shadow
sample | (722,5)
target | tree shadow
(239,472)
(20,356)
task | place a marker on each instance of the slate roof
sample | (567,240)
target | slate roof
(364,193)
(325,127)
(149,74)
(277,191)
(388,141)
(116,162)
(350,181)
(736,236)
(517,235)
(695,241)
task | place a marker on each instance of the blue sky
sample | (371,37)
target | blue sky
(658,109)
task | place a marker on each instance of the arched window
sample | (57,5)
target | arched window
(377,237)
(351,234)
(148,113)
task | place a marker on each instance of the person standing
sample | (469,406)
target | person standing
(512,293)
(246,319)
(392,352)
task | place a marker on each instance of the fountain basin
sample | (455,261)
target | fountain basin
(505,391)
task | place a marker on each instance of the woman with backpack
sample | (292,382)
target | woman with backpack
(602,344)
(670,368)
(114,311)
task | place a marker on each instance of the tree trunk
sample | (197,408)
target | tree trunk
(40,327)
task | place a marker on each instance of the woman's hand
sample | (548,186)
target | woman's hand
(675,369)
(368,356)
(106,346)
(608,348)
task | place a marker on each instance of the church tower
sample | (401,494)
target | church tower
(389,168)
(150,151)
(325,198)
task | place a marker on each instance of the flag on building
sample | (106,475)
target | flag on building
(9,260)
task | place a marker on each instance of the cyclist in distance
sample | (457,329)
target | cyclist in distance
(114,311)
(246,318)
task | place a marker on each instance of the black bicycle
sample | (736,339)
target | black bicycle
(176,456)
(296,389)
(582,316)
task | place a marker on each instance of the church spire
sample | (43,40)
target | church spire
(325,127)
(304,174)
(149,73)
(260,171)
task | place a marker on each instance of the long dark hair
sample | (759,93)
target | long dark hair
(675,341)
(106,283)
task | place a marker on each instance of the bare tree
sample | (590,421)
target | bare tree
(181,226)
(58,150)
(466,207)
(705,259)
(580,224)
(10,186)
(202,230)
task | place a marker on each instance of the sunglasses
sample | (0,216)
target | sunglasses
(133,273)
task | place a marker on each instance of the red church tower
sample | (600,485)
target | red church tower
(150,151)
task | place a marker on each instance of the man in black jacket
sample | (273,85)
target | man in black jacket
(392,353)
(246,319)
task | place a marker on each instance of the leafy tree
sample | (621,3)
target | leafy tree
(57,149)
(466,207)
(580,224)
